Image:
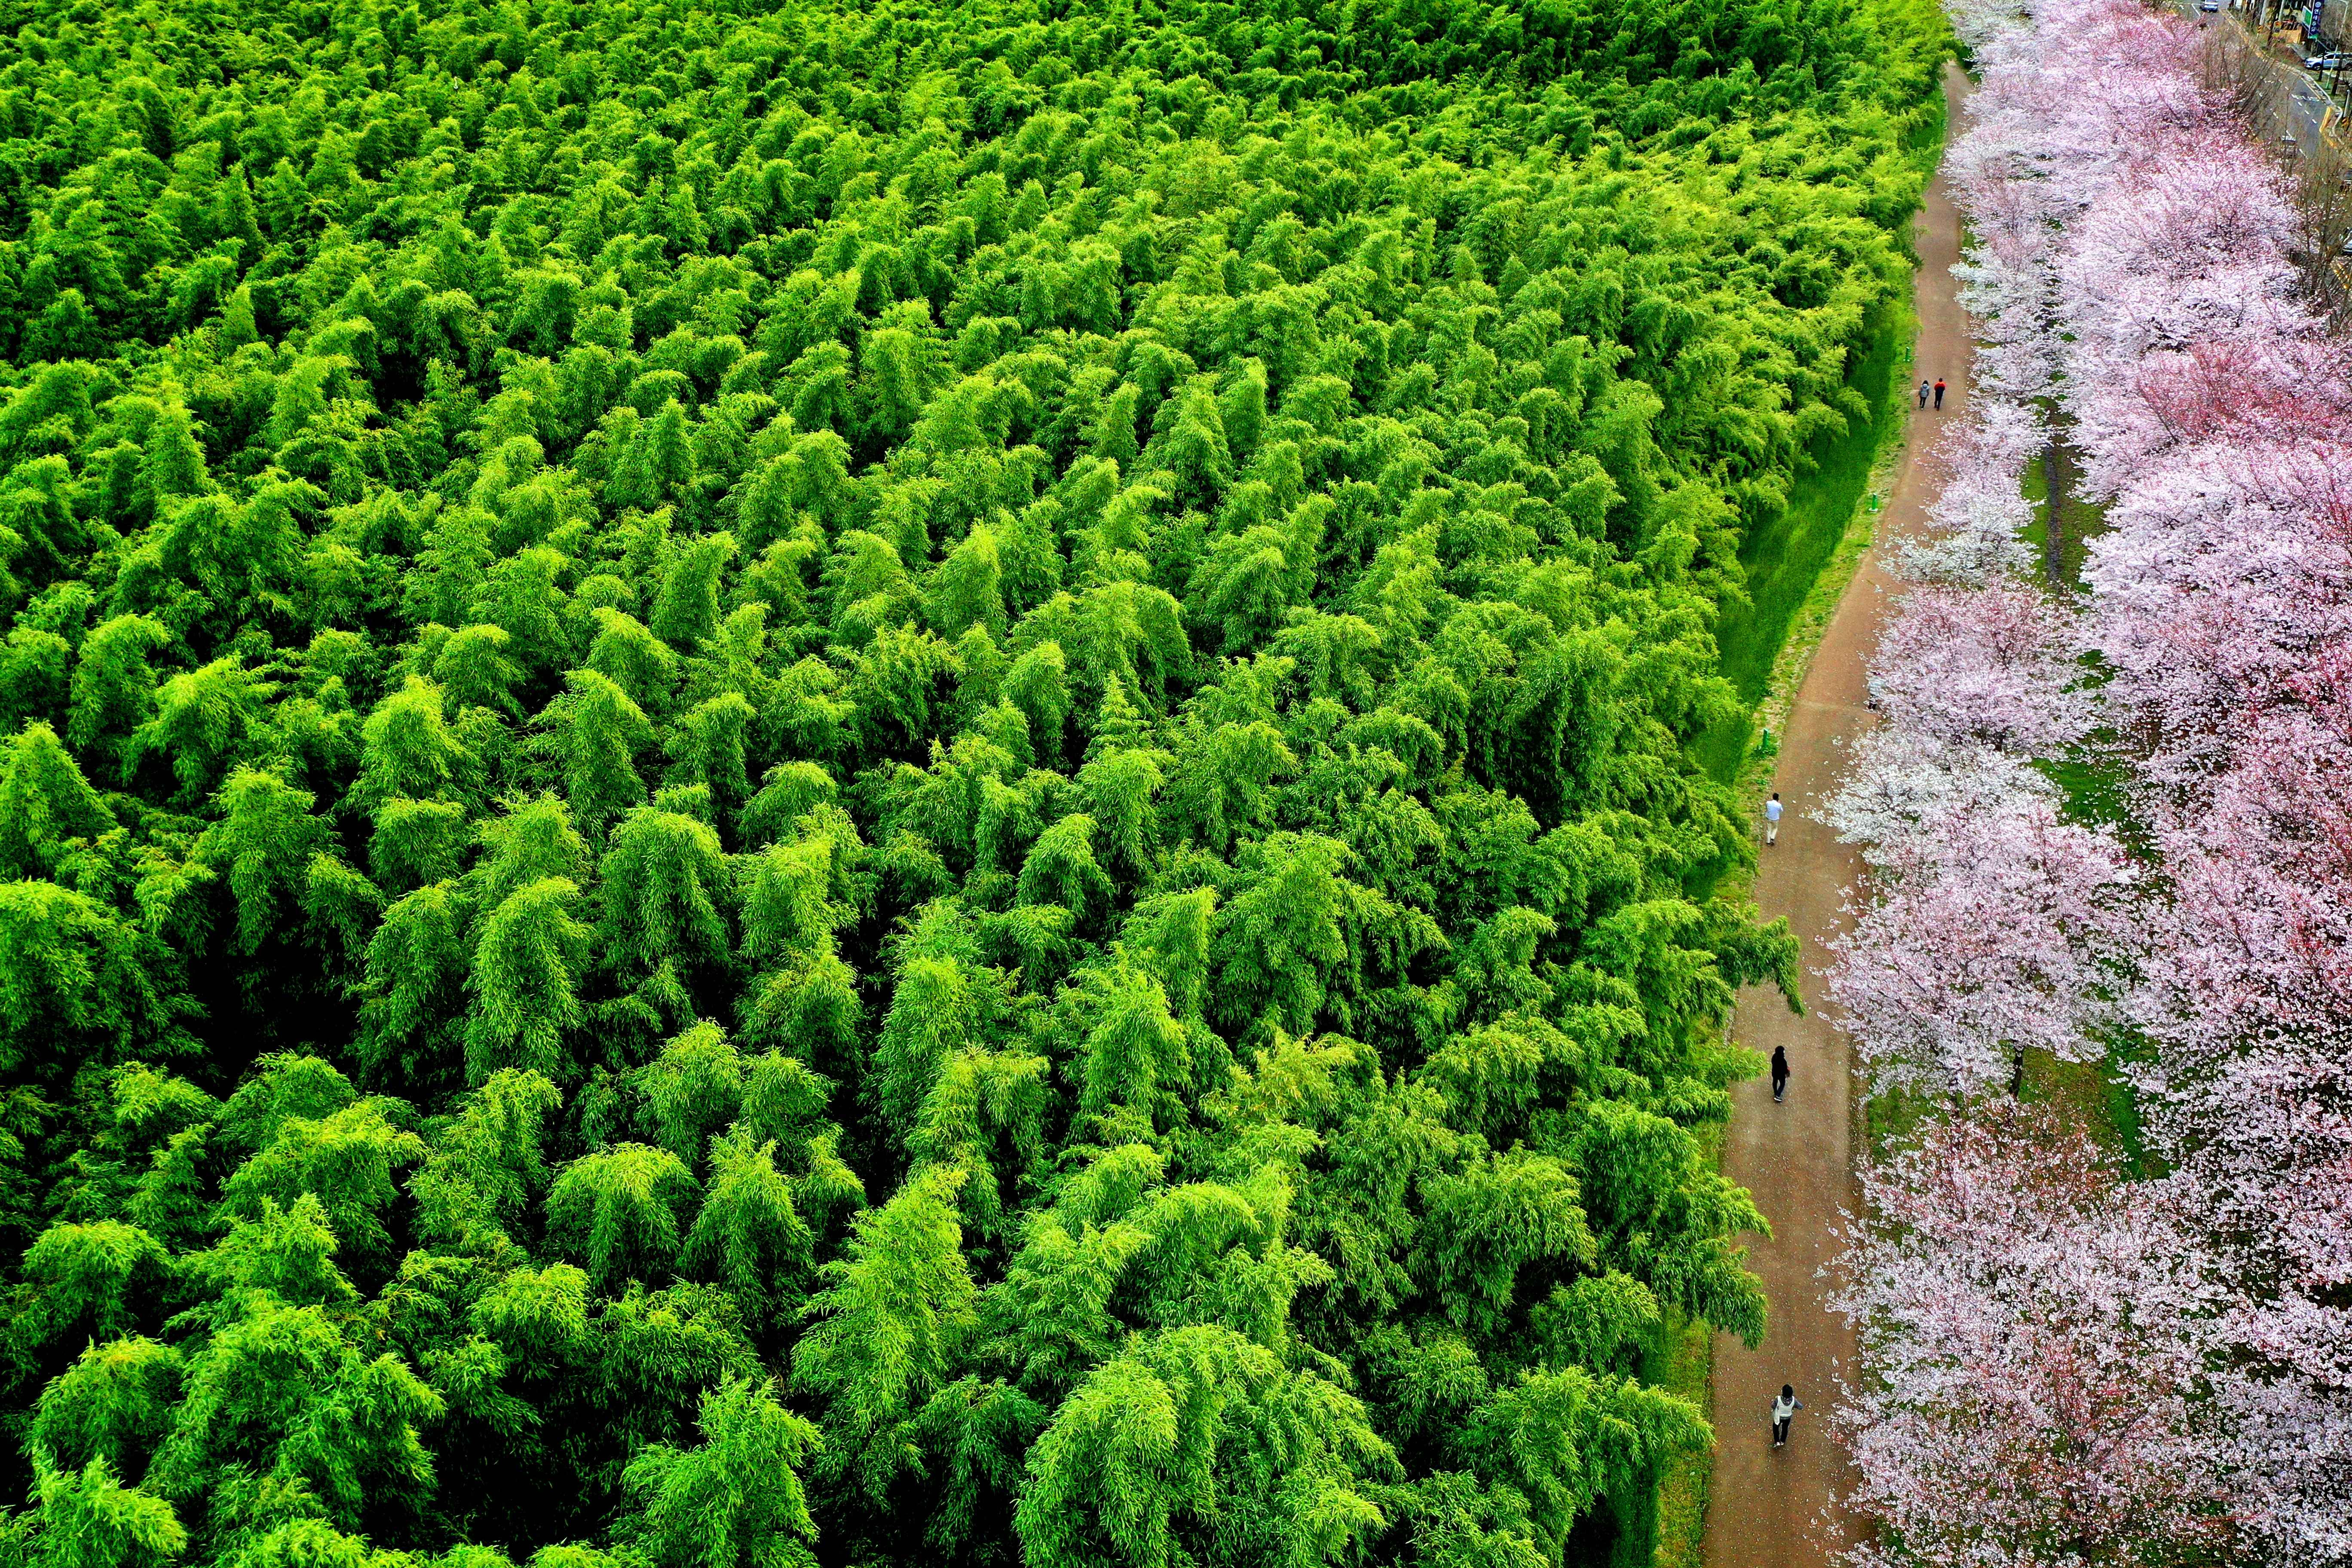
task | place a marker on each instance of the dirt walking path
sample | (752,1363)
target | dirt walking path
(1765,1505)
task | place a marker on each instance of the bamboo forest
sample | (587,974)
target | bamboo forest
(894,783)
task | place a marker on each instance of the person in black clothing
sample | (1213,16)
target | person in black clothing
(1780,1072)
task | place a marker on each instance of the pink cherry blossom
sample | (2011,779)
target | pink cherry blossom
(1997,930)
(2133,270)
(2035,1329)
(1985,664)
(1902,781)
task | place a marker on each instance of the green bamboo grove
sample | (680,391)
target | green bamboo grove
(889,783)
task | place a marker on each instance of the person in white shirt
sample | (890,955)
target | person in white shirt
(1773,818)
(1784,1410)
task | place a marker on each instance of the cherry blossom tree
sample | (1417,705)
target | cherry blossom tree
(2035,1329)
(2000,931)
(1902,781)
(2135,274)
(1989,665)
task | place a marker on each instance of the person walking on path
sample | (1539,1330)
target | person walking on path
(1784,1410)
(1796,1157)
(1772,819)
(1939,392)
(1923,391)
(1780,1072)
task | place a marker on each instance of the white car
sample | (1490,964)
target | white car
(2208,7)
(2337,61)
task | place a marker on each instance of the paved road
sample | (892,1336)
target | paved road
(2306,100)
(1796,1157)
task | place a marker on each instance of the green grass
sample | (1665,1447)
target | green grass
(2080,520)
(1796,570)
(1784,558)
(1788,561)
(1682,1362)
(1924,140)
(1890,1117)
(2095,1097)
(1660,1521)
(2092,791)
(1689,1364)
